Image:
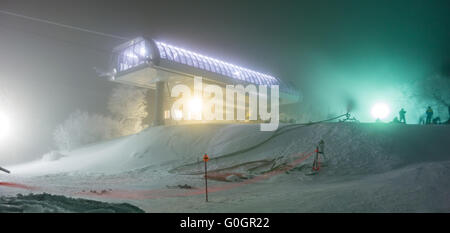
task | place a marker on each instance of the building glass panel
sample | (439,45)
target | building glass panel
(175,55)
(169,53)
(199,61)
(194,60)
(162,52)
(181,55)
(188,58)
(137,53)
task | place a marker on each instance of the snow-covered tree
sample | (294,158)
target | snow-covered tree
(434,91)
(82,128)
(129,106)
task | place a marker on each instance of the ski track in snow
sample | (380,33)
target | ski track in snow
(369,168)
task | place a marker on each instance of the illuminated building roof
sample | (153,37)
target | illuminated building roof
(139,51)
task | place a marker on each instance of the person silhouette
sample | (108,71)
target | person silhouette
(429,113)
(402,114)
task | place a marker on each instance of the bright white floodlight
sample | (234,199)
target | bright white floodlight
(380,111)
(195,109)
(195,105)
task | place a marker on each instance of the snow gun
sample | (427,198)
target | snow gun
(2,169)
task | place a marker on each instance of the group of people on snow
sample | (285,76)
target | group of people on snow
(425,119)
(402,115)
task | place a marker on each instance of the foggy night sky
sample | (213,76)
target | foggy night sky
(329,49)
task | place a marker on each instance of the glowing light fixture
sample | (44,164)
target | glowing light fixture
(195,106)
(380,111)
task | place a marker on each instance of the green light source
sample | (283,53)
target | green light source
(380,111)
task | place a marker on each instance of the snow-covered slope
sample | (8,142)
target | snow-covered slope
(351,148)
(382,158)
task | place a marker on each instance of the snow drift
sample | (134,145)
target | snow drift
(405,164)
(47,203)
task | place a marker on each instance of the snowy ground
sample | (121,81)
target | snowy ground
(368,168)
(47,203)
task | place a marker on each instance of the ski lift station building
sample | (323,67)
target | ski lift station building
(159,66)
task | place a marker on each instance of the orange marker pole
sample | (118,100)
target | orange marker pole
(206,158)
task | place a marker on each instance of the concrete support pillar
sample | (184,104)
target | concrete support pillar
(159,104)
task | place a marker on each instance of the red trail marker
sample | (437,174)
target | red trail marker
(206,158)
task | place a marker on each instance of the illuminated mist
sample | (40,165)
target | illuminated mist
(342,55)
